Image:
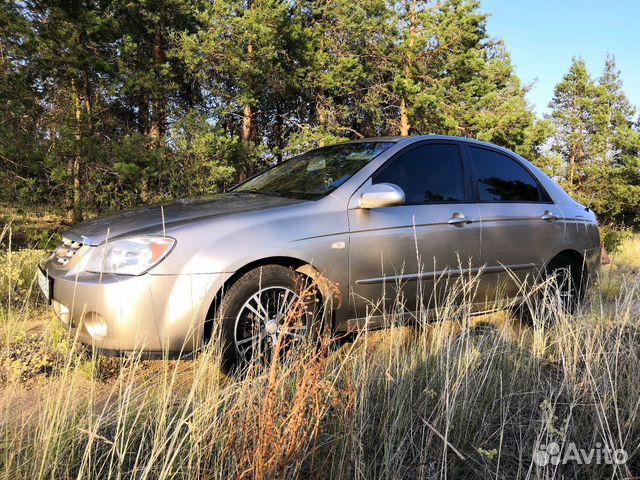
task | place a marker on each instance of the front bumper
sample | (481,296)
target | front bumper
(149,313)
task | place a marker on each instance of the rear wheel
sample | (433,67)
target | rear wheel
(567,285)
(568,280)
(267,309)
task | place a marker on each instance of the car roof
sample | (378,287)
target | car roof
(553,189)
(408,140)
(390,138)
(414,138)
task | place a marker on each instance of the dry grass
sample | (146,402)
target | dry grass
(470,397)
(629,255)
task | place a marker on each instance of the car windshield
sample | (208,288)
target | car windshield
(316,173)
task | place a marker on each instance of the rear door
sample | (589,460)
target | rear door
(521,227)
(397,253)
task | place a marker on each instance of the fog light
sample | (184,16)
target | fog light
(61,311)
(95,325)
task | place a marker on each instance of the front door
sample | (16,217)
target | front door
(398,256)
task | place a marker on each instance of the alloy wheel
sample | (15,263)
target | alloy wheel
(264,318)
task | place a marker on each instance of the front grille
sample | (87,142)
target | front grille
(66,250)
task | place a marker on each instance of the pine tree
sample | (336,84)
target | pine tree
(453,79)
(535,147)
(69,52)
(246,56)
(152,82)
(614,185)
(346,64)
(573,115)
(598,141)
(108,103)
(22,173)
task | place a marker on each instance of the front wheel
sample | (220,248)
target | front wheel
(269,310)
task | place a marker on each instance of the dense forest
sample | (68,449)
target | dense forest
(109,103)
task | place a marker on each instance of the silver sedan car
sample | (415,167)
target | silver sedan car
(368,221)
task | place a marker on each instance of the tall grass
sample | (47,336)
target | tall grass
(461,396)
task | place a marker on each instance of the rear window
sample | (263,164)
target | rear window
(502,179)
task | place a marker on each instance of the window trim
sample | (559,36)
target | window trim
(466,180)
(544,197)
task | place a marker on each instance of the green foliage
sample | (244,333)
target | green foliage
(105,104)
(534,148)
(310,138)
(614,237)
(210,157)
(596,136)
(461,82)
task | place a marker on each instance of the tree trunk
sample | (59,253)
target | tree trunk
(321,101)
(144,188)
(88,104)
(158,119)
(248,127)
(157,104)
(74,206)
(248,116)
(572,166)
(574,148)
(405,124)
(144,129)
(279,130)
(143,112)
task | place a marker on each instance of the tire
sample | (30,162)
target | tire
(248,333)
(570,281)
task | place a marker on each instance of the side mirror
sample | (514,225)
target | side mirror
(381,195)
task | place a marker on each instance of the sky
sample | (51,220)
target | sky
(543,35)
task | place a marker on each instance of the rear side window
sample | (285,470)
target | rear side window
(502,179)
(430,173)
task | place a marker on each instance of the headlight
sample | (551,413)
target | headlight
(129,256)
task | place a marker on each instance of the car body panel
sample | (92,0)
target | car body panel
(515,236)
(152,313)
(159,218)
(360,251)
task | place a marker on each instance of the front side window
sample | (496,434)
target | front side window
(431,173)
(502,179)
(316,173)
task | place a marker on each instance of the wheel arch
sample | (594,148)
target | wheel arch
(577,259)
(296,264)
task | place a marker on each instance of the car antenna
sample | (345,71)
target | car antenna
(588,207)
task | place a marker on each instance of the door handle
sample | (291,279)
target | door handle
(459,219)
(549,216)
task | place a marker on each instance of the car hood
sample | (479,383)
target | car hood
(155,218)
